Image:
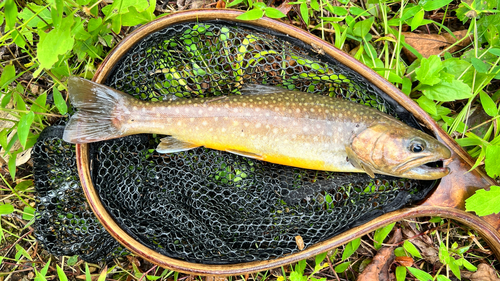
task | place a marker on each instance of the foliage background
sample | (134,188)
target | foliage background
(44,42)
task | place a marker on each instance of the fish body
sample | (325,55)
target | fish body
(268,123)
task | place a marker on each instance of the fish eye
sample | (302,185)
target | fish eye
(416,147)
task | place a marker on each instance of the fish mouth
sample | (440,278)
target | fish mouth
(423,168)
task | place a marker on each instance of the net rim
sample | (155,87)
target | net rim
(230,15)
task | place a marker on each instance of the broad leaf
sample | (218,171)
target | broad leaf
(400,273)
(23,127)
(428,72)
(60,273)
(435,4)
(408,246)
(488,104)
(342,267)
(428,105)
(381,234)
(417,19)
(251,15)
(273,13)
(491,163)
(8,74)
(448,91)
(6,209)
(60,102)
(484,202)
(48,52)
(420,274)
(479,65)
(10,14)
(350,248)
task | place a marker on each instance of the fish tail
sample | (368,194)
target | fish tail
(99,110)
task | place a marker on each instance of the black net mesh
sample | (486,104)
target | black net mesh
(204,205)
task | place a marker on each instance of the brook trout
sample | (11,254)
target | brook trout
(265,123)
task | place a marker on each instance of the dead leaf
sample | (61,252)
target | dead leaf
(433,44)
(300,242)
(285,7)
(428,251)
(405,261)
(220,4)
(484,273)
(378,269)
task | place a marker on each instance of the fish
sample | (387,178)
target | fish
(266,123)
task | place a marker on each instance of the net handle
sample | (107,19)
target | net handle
(446,201)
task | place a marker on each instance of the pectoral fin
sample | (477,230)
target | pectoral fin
(358,163)
(173,145)
(246,154)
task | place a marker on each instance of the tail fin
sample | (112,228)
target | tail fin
(97,107)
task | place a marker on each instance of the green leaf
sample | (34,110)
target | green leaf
(448,91)
(72,260)
(419,274)
(304,12)
(22,186)
(273,13)
(361,28)
(29,213)
(319,258)
(88,277)
(400,273)
(381,234)
(428,72)
(10,14)
(8,75)
(484,202)
(495,51)
(350,248)
(315,5)
(442,278)
(491,160)
(468,265)
(342,267)
(358,11)
(408,246)
(488,104)
(300,266)
(48,52)
(479,65)
(251,15)
(24,126)
(135,17)
(417,19)
(295,276)
(428,105)
(60,273)
(12,165)
(93,24)
(234,3)
(400,252)
(6,209)
(435,4)
(60,102)
(454,267)
(492,35)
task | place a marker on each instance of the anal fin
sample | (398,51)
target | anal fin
(246,154)
(357,163)
(173,145)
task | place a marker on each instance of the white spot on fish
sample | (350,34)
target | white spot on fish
(223,130)
(169,120)
(176,110)
(204,123)
(235,123)
(258,125)
(179,123)
(267,126)
(200,111)
(210,108)
(135,107)
(191,119)
(305,129)
(242,134)
(246,124)
(216,118)
(275,130)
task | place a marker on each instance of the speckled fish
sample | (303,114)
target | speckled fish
(266,123)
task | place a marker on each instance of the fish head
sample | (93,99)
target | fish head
(398,150)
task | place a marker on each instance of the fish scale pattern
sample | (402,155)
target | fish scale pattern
(209,206)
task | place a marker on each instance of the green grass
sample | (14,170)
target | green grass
(459,90)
